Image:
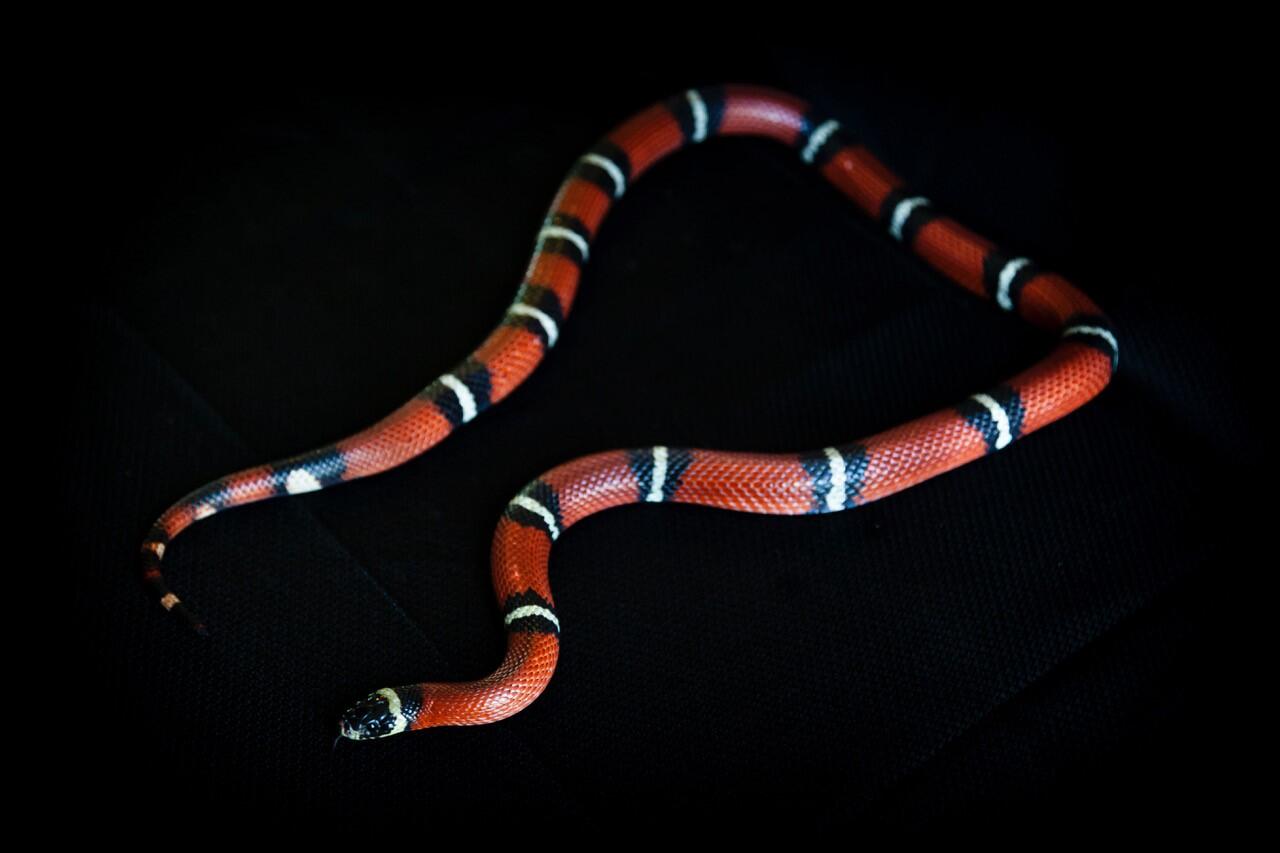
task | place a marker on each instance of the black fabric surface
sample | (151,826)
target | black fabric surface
(1021,640)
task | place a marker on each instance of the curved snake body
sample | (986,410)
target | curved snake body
(826,480)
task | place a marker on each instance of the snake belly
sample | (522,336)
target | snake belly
(829,479)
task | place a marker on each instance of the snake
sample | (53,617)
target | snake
(1079,365)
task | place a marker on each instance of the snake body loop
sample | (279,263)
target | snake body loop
(830,479)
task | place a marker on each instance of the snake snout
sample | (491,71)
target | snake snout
(378,715)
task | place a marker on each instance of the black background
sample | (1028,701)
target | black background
(283,255)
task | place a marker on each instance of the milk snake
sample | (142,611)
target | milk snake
(826,480)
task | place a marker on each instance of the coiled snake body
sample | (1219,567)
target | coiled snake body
(826,480)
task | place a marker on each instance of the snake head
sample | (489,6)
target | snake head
(380,714)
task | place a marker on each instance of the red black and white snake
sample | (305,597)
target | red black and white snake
(826,480)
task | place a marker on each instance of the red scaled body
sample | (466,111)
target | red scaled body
(825,480)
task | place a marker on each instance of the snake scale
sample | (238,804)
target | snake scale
(829,479)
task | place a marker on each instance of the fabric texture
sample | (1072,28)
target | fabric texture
(286,265)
